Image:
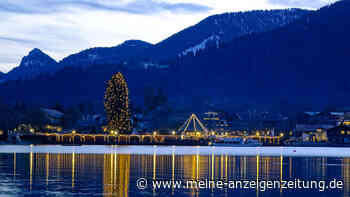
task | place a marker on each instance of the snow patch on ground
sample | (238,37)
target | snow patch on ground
(201,46)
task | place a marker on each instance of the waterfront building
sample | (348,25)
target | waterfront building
(339,134)
(316,126)
(217,122)
(53,129)
(312,126)
(316,136)
(275,124)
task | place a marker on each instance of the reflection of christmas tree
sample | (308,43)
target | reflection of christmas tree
(117,104)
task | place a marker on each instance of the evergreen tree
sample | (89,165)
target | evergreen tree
(117,104)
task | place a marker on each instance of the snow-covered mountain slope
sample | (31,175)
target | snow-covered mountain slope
(202,46)
(224,28)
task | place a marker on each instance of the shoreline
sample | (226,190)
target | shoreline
(306,145)
(179,150)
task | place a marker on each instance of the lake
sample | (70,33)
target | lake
(117,170)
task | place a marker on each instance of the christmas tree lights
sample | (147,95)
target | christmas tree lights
(116,102)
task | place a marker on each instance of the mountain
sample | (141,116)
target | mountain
(304,62)
(213,30)
(301,63)
(218,28)
(223,28)
(36,63)
(107,55)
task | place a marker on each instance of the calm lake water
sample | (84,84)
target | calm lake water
(114,171)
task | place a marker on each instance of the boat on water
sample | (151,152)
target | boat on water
(236,142)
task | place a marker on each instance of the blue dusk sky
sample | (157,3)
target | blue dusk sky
(63,27)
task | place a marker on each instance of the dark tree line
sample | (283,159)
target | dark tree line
(12,115)
(19,113)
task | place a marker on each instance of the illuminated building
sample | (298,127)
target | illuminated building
(216,121)
(51,128)
(313,126)
(24,128)
(339,135)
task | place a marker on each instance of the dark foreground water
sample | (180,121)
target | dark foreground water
(38,173)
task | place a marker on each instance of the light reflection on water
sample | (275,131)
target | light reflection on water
(52,174)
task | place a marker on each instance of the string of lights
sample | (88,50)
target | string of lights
(116,102)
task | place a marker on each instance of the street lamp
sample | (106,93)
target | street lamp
(173,132)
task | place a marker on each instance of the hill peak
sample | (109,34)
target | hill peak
(34,64)
(136,43)
(37,58)
(36,51)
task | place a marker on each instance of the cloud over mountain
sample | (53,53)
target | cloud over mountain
(134,7)
(301,3)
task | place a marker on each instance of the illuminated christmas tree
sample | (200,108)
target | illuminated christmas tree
(117,104)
